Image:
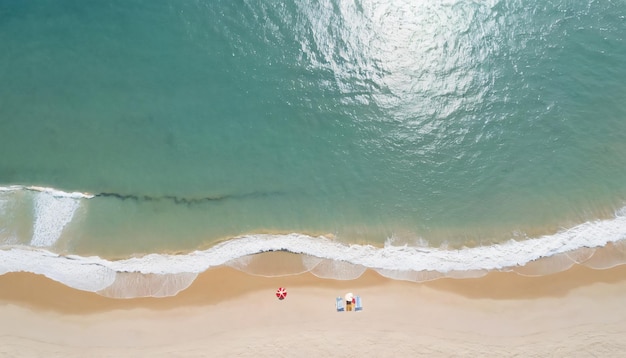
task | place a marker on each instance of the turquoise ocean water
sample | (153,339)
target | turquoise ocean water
(416,138)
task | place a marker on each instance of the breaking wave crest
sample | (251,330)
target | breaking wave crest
(597,244)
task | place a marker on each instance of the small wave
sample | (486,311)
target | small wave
(596,244)
(53,192)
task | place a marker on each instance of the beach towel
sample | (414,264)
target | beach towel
(358,306)
(339,304)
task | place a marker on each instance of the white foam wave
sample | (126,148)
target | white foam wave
(331,259)
(52,214)
(54,192)
(84,273)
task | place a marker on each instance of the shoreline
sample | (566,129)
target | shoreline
(224,283)
(167,275)
(226,312)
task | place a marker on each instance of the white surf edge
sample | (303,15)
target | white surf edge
(166,275)
(54,192)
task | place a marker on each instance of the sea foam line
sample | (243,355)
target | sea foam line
(96,274)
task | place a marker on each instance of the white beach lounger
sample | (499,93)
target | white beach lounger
(339,304)
(357,304)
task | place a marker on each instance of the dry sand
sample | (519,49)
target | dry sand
(226,313)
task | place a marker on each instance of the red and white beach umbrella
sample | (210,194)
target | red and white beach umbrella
(281,293)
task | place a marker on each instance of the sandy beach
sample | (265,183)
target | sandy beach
(228,313)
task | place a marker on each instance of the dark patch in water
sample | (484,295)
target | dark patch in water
(186,201)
